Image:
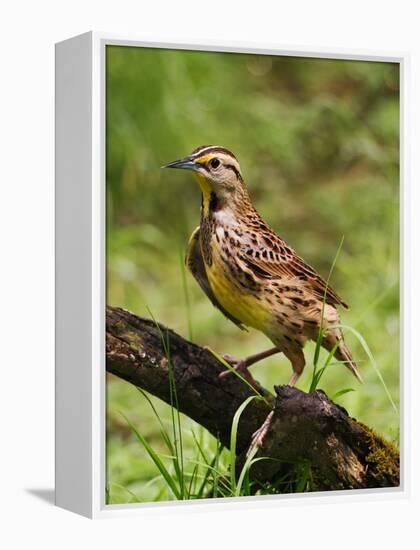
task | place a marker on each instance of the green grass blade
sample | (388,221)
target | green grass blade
(243,478)
(174,455)
(176,421)
(216,478)
(342,392)
(233,438)
(318,344)
(320,372)
(156,459)
(163,431)
(193,480)
(321,327)
(134,497)
(178,461)
(245,469)
(304,474)
(207,466)
(375,367)
(316,378)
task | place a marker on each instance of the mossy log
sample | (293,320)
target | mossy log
(307,429)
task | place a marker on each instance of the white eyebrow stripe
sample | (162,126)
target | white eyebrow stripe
(209,148)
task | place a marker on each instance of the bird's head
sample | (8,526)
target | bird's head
(218,173)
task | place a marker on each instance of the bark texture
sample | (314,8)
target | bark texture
(306,430)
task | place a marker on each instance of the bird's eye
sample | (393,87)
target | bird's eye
(214,163)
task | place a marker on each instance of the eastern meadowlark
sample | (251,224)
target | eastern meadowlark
(252,275)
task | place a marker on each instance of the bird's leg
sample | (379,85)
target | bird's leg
(294,378)
(259,435)
(241,365)
(297,358)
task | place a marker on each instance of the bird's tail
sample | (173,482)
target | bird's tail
(343,354)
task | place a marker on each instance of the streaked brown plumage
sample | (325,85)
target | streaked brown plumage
(252,275)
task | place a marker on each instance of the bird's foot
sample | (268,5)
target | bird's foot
(238,365)
(259,435)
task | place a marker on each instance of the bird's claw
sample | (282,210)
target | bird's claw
(258,436)
(238,365)
(231,359)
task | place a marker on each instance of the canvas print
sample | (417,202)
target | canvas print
(252,250)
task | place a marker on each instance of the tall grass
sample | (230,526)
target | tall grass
(317,372)
(209,472)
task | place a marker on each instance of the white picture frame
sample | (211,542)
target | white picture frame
(80,275)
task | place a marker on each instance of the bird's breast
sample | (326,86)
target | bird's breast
(231,286)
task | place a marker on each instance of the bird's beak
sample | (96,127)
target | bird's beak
(187,164)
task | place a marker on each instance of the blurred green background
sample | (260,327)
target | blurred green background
(318,144)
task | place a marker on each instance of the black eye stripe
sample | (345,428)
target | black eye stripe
(231,167)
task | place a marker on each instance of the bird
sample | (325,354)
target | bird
(251,274)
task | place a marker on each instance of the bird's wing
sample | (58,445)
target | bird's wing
(194,262)
(275,259)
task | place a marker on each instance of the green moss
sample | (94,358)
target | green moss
(383,460)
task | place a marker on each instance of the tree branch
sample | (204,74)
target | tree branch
(306,429)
